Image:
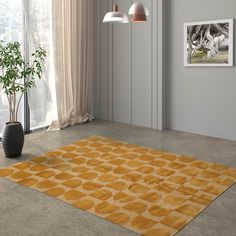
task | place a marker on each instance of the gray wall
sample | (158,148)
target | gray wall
(128,83)
(140,78)
(199,100)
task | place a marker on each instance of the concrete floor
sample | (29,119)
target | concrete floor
(25,212)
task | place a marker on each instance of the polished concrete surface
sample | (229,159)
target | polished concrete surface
(26,212)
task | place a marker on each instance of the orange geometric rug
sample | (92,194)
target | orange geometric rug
(148,191)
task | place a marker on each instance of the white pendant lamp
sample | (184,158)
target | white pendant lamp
(138,12)
(115,16)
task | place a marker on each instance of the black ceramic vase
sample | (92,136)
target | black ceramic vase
(13,139)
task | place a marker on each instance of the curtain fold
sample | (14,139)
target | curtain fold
(73,60)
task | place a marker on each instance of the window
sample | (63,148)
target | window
(29,22)
(11,29)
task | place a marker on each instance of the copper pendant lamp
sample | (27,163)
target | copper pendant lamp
(138,12)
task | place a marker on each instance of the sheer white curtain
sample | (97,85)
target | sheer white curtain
(38,27)
(73,59)
(65,29)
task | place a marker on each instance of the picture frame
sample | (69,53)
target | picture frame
(209,43)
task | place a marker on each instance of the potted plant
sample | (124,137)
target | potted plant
(16,77)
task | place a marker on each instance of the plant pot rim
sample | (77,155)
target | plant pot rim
(12,123)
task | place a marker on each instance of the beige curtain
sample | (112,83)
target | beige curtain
(73,59)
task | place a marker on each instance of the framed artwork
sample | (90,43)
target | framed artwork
(208,43)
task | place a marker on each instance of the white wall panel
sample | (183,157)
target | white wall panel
(142,71)
(128,67)
(96,73)
(103,40)
(122,68)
